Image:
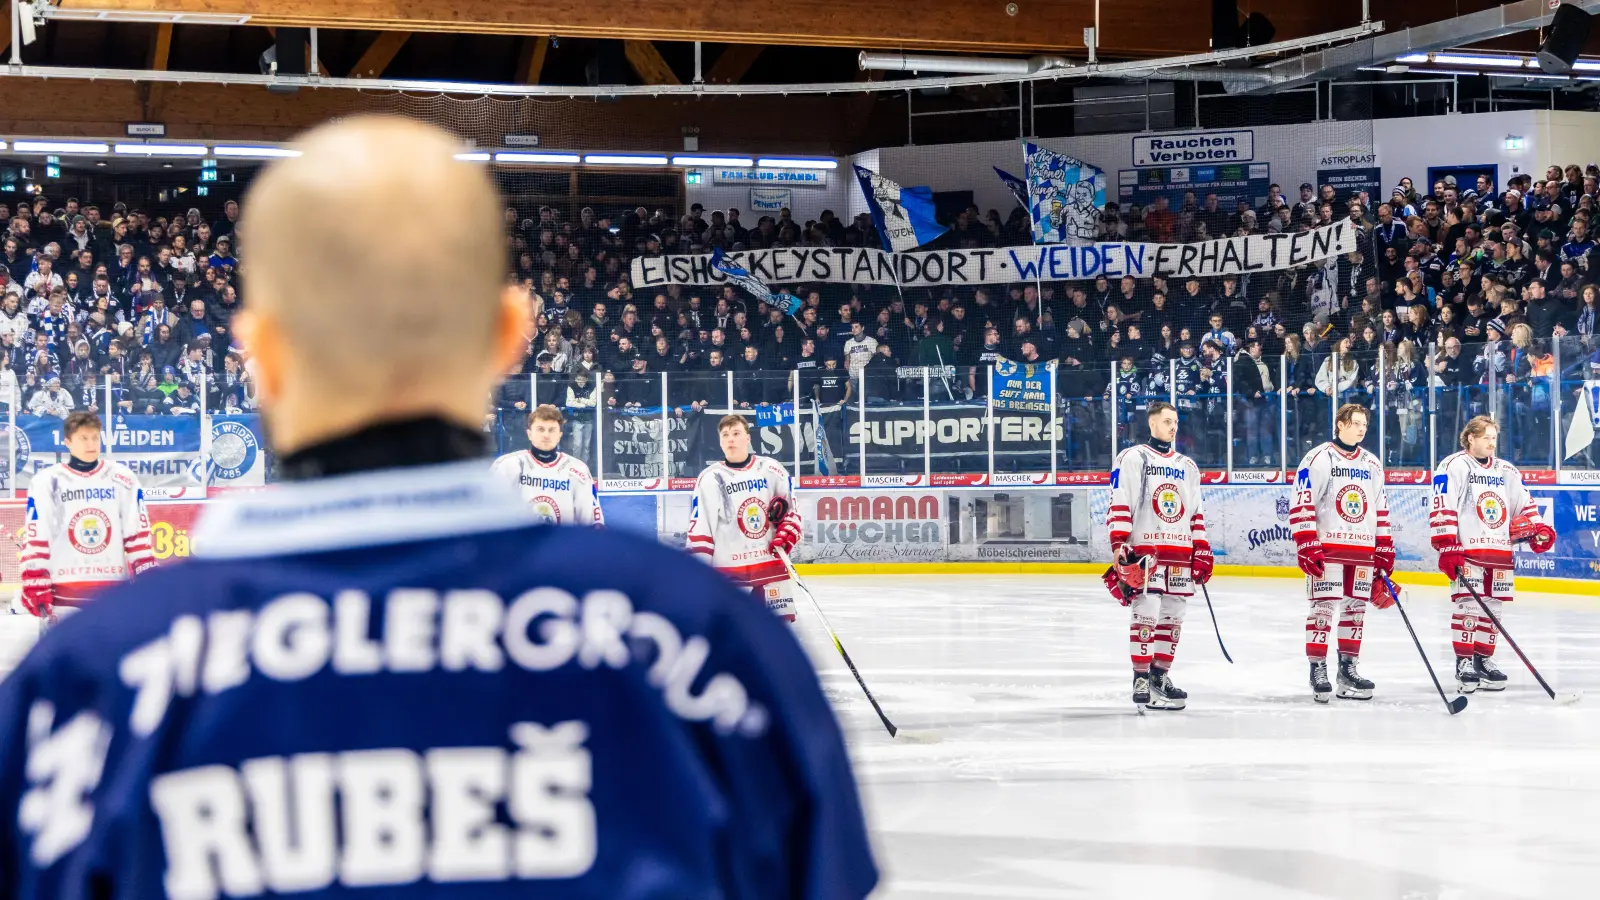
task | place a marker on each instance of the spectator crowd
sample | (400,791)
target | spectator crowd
(118,311)
(1453,289)
(1458,297)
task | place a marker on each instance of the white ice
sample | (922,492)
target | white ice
(1043,782)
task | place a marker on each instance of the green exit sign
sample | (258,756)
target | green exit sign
(51,170)
(208,174)
(694,177)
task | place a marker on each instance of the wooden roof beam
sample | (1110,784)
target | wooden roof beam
(646,60)
(378,56)
(733,63)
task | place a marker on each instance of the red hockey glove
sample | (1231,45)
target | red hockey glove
(1381,598)
(1116,587)
(786,533)
(1200,562)
(1451,559)
(1130,568)
(39,600)
(1383,558)
(1311,558)
(1540,537)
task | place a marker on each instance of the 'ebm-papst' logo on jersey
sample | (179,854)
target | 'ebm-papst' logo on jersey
(89,531)
(1168,503)
(1352,504)
(546,509)
(1491,509)
(753,518)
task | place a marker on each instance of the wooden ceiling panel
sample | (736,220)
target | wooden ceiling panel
(1132,27)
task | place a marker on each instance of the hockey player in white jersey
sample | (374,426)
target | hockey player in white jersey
(86,525)
(744,510)
(1480,510)
(1159,547)
(555,485)
(1340,521)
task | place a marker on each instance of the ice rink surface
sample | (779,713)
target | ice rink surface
(1041,781)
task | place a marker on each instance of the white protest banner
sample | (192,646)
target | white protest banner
(1004,265)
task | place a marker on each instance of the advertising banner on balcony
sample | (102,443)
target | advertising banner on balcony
(1004,265)
(161,450)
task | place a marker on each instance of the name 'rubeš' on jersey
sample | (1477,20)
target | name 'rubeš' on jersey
(389,676)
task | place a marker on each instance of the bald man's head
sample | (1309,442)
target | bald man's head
(353,294)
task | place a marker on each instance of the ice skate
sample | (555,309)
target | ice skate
(1490,678)
(1141,688)
(1351,685)
(1163,693)
(1466,675)
(1321,690)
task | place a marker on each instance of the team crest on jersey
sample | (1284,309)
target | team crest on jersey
(89,531)
(753,518)
(545,509)
(1146,634)
(1491,509)
(1352,504)
(1168,503)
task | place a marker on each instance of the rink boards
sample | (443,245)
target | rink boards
(1022,528)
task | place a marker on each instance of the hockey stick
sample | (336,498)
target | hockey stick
(1213,611)
(817,608)
(1568,699)
(1460,702)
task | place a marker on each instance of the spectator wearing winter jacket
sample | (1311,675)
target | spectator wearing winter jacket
(194,323)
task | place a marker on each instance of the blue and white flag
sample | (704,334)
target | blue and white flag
(904,216)
(1065,196)
(1017,187)
(824,452)
(775,416)
(1585,422)
(757,288)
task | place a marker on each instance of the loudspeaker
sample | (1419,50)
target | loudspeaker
(1569,31)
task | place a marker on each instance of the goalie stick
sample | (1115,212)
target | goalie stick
(1460,702)
(1565,699)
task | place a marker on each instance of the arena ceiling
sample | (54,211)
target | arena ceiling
(87,67)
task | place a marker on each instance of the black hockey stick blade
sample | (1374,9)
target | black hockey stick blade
(1213,611)
(1459,702)
(1500,627)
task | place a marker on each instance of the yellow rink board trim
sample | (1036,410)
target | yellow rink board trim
(1531,583)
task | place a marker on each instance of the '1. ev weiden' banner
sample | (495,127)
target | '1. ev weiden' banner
(1004,265)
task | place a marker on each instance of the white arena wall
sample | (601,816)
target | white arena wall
(1405,147)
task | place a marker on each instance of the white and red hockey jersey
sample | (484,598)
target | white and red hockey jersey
(1340,502)
(84,530)
(1155,504)
(560,493)
(729,522)
(1473,505)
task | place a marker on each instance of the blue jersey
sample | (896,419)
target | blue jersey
(393,685)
